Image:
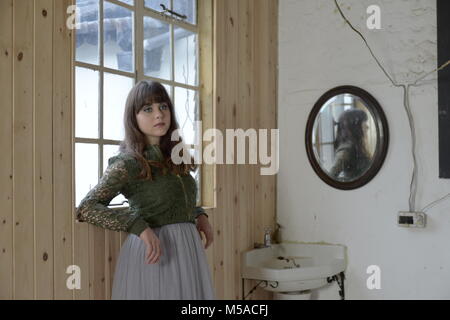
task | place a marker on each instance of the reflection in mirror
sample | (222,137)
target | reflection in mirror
(344,137)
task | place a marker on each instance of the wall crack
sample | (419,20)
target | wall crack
(406,94)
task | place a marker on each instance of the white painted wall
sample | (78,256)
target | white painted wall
(318,51)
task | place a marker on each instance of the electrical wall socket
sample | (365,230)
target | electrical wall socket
(411,219)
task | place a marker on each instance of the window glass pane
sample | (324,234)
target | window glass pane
(196,175)
(118,40)
(130,2)
(169,91)
(116,89)
(157,56)
(156,4)
(108,152)
(87,35)
(86,169)
(86,97)
(187,8)
(185,56)
(186,110)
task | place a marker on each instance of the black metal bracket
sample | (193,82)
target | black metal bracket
(181,16)
(265,282)
(339,278)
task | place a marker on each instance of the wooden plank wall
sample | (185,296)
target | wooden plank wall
(6,144)
(35,166)
(39,239)
(246,97)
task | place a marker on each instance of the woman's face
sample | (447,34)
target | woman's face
(154,121)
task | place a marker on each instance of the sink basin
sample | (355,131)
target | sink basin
(293,267)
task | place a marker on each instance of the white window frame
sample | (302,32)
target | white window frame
(140,11)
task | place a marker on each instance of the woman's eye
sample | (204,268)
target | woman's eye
(163,107)
(148,108)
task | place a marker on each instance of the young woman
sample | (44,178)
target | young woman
(163,256)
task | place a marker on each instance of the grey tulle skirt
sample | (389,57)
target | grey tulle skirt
(181,273)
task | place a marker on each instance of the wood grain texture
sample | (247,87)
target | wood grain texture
(6,144)
(24,263)
(246,109)
(43,173)
(39,239)
(206,37)
(245,56)
(220,17)
(62,149)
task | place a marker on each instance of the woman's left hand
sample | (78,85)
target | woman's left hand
(204,225)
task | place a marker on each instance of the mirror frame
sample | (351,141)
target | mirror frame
(379,119)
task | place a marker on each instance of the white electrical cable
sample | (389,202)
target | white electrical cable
(431,205)
(413,184)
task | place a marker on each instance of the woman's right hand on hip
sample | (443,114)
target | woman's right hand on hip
(153,251)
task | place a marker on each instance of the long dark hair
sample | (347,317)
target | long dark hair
(135,141)
(350,131)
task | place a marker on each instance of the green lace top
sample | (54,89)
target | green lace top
(169,198)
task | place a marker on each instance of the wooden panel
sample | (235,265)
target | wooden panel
(81,258)
(205,13)
(266,119)
(245,88)
(97,265)
(91,229)
(257,230)
(218,245)
(112,254)
(6,161)
(24,272)
(62,149)
(265,200)
(43,174)
(208,191)
(245,115)
(273,107)
(259,35)
(229,197)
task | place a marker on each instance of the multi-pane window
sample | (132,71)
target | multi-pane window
(120,42)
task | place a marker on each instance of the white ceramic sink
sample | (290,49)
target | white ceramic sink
(308,265)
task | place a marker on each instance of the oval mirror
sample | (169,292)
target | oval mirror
(347,137)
